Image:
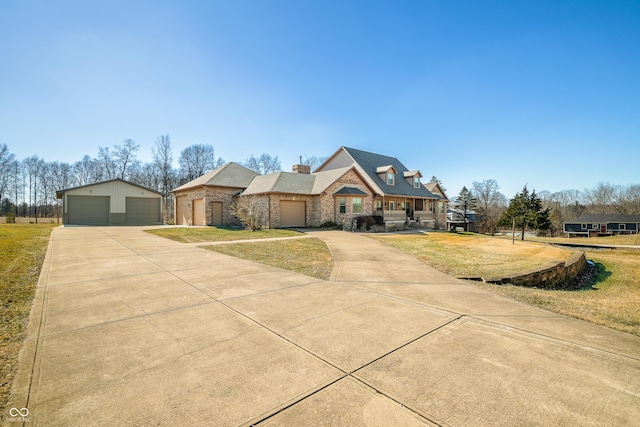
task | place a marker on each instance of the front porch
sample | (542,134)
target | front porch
(412,210)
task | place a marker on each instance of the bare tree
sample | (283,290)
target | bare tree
(86,171)
(124,156)
(564,206)
(314,162)
(7,160)
(599,199)
(163,162)
(196,160)
(264,164)
(490,204)
(106,162)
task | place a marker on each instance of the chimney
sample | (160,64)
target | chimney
(306,169)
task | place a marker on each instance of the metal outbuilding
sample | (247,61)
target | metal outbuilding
(112,202)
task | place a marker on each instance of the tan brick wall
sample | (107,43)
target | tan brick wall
(324,207)
(211,194)
(329,205)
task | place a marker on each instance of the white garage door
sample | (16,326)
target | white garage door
(292,213)
(88,210)
(143,211)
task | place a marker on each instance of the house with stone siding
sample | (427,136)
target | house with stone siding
(351,183)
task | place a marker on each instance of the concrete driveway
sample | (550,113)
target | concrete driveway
(131,329)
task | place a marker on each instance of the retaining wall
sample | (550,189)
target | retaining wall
(548,276)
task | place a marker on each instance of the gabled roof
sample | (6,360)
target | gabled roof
(350,191)
(230,175)
(602,219)
(369,164)
(59,193)
(295,183)
(435,188)
(281,182)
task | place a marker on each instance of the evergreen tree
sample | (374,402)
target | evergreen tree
(525,211)
(465,202)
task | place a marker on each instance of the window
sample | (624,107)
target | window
(391,177)
(378,205)
(343,205)
(595,226)
(392,205)
(416,182)
(583,226)
(622,226)
(441,207)
(356,205)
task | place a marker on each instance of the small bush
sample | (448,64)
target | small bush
(331,225)
(11,218)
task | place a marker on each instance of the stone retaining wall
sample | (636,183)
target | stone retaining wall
(548,276)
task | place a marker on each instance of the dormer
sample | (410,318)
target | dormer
(413,178)
(387,174)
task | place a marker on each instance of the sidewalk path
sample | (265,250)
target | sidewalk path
(128,328)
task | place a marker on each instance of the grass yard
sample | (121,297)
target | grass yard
(612,302)
(23,247)
(465,255)
(310,257)
(218,234)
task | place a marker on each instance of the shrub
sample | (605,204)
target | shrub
(11,217)
(250,212)
(331,225)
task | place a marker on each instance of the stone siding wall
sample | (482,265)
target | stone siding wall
(549,276)
(329,204)
(210,195)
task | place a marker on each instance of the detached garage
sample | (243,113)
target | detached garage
(113,202)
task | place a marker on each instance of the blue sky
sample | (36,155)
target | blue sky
(544,93)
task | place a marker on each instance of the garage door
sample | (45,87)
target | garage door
(216,213)
(143,211)
(198,212)
(182,206)
(88,210)
(292,214)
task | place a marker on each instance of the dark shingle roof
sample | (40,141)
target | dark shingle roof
(350,191)
(370,162)
(602,219)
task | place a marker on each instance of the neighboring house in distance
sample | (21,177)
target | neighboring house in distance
(456,219)
(594,225)
(351,183)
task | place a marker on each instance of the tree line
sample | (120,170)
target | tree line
(28,186)
(542,210)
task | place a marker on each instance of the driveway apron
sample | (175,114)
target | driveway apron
(128,328)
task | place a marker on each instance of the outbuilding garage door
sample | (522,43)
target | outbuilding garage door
(182,209)
(216,213)
(292,213)
(143,211)
(88,210)
(198,212)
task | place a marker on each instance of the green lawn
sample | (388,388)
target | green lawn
(612,302)
(310,257)
(466,255)
(23,247)
(218,234)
